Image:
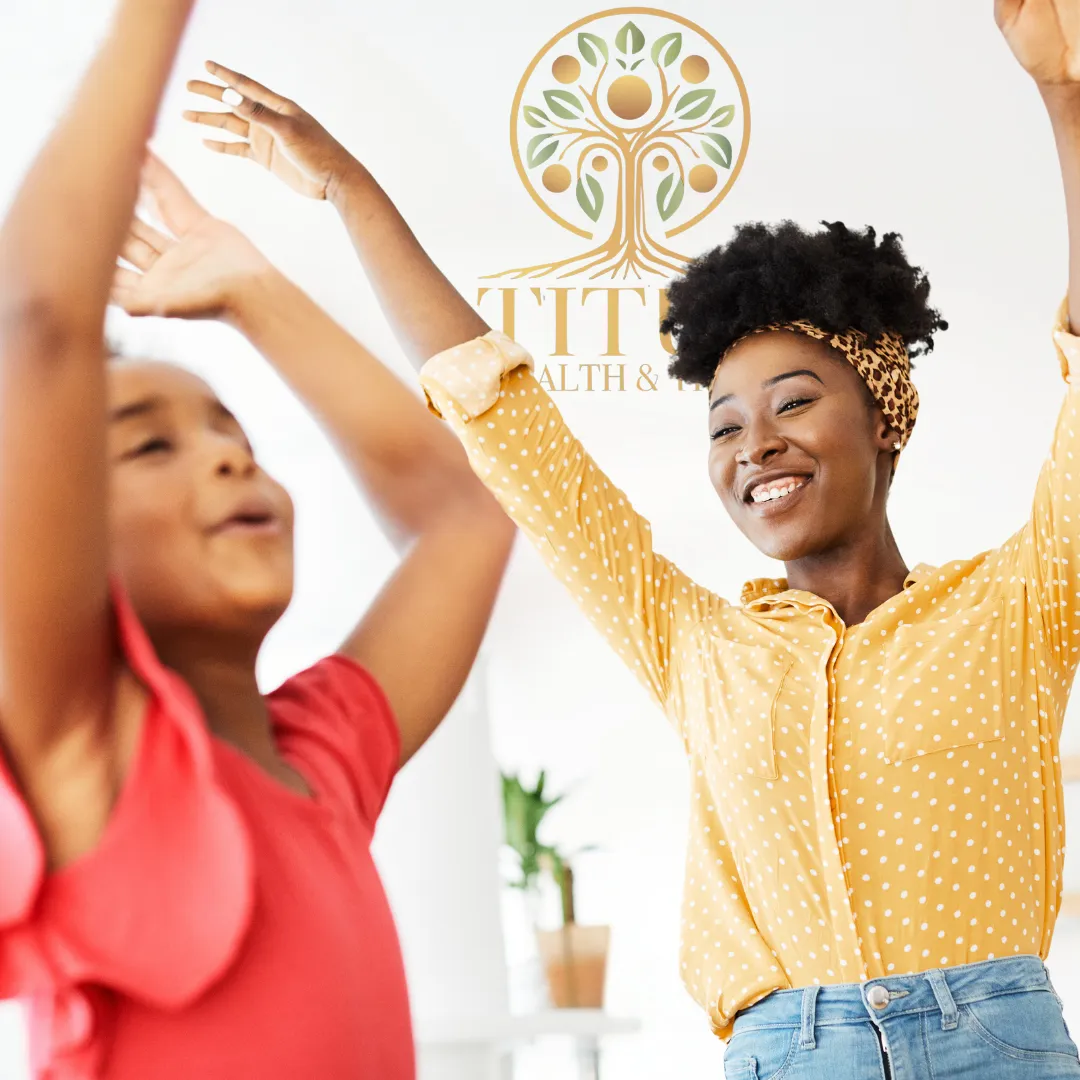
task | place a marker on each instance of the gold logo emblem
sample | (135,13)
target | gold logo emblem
(628,128)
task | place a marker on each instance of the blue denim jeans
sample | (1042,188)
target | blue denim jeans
(996,1020)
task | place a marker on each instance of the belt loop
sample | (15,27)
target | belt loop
(944,998)
(809,1012)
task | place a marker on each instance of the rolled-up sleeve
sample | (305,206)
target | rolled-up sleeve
(584,527)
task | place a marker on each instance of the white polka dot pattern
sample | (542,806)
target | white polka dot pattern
(867,800)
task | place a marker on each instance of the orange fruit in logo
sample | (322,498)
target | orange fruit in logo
(566,68)
(660,162)
(703,178)
(629,97)
(599,163)
(556,178)
(695,69)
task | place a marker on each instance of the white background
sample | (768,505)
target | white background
(908,115)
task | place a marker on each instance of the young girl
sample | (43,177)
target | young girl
(187,885)
(877,817)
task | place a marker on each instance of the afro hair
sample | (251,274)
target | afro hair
(837,278)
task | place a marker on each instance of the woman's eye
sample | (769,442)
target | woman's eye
(794,403)
(721,433)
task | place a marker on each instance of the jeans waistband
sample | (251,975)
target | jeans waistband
(940,990)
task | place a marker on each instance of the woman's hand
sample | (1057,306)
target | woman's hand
(279,135)
(1044,36)
(199,272)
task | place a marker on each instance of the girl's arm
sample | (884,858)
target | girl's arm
(420,637)
(59,695)
(517,442)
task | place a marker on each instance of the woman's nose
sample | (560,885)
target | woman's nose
(760,446)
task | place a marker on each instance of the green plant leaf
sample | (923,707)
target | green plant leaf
(621,63)
(666,49)
(634,65)
(695,104)
(589,45)
(560,102)
(669,199)
(535,117)
(630,39)
(595,205)
(721,152)
(722,117)
(540,148)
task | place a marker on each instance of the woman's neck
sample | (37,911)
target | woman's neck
(854,578)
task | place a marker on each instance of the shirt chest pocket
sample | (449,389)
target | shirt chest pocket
(745,682)
(943,684)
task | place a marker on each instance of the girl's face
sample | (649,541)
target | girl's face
(799,453)
(201,537)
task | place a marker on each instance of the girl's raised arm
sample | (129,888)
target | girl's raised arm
(61,701)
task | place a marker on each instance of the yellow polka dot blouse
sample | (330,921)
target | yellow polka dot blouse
(866,800)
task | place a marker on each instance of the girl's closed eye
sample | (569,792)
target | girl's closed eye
(795,402)
(158,444)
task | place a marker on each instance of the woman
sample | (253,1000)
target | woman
(187,885)
(875,860)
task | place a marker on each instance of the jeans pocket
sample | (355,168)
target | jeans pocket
(760,1054)
(1025,1027)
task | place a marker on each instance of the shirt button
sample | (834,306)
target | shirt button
(878,996)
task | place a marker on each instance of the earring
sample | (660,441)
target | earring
(896,446)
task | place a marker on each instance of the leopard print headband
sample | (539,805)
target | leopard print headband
(885,368)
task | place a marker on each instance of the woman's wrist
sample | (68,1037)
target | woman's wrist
(1062,101)
(350,185)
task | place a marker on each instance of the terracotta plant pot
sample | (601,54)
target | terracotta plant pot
(575,963)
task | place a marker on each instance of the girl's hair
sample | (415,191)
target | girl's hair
(836,278)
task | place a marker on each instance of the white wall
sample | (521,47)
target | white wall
(910,116)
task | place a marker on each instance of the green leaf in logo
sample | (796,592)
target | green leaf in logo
(722,117)
(589,45)
(721,152)
(668,200)
(630,39)
(535,117)
(696,104)
(560,103)
(592,206)
(666,49)
(634,65)
(536,153)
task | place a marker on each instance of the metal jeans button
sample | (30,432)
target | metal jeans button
(878,996)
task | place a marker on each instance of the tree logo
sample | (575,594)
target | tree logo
(629,127)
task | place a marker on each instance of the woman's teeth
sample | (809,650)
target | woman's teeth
(777,490)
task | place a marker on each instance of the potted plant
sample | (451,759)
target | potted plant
(574,957)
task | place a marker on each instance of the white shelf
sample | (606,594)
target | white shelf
(590,1024)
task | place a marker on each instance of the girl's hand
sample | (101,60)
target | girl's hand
(200,272)
(279,135)
(1044,36)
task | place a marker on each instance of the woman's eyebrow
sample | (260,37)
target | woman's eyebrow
(772,382)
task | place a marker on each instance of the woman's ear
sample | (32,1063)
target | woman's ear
(885,437)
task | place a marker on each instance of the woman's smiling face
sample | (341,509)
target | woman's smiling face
(800,454)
